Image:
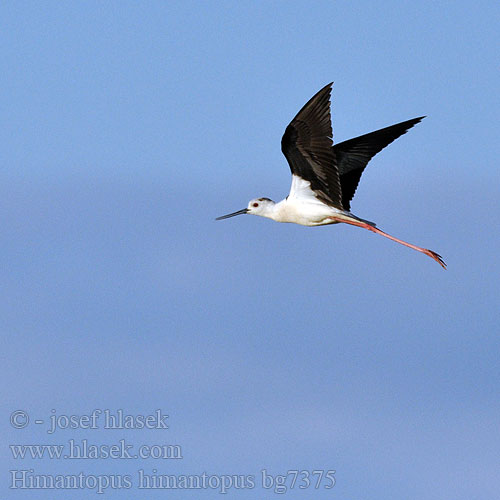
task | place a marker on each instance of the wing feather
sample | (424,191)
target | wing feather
(353,155)
(307,145)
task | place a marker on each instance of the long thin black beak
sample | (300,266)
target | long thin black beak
(239,212)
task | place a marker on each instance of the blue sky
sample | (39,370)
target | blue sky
(127,127)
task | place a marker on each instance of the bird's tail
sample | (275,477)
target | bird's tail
(370,223)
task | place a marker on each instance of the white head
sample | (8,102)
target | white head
(257,206)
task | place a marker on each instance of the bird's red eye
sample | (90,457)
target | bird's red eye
(255,204)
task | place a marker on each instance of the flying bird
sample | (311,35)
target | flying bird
(325,176)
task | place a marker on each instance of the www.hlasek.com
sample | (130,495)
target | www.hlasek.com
(84,449)
(277,483)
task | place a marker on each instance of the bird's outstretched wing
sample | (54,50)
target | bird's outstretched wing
(307,146)
(353,155)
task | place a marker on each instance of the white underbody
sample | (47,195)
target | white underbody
(302,207)
(304,212)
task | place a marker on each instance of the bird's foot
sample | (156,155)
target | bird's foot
(436,257)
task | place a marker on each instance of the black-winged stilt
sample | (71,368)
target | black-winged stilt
(325,176)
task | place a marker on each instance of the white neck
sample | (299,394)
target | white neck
(275,211)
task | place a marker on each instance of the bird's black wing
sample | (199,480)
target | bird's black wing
(353,155)
(307,146)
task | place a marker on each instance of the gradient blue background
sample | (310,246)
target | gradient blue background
(127,127)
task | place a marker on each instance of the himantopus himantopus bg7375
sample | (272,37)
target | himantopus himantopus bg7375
(325,176)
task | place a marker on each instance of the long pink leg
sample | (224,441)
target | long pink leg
(430,253)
